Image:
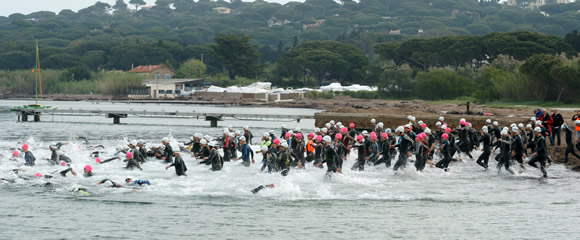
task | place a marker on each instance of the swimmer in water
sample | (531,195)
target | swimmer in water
(132,163)
(260,188)
(28,156)
(113,184)
(130,181)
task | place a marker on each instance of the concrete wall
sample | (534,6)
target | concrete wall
(363,121)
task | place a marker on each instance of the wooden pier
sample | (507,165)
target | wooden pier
(116,115)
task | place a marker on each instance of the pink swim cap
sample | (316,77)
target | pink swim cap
(351,125)
(15,153)
(423,125)
(299,135)
(98,160)
(384,135)
(338,136)
(311,135)
(129,155)
(38,174)
(318,138)
(288,135)
(374,137)
(448,130)
(276,141)
(25,146)
(445,136)
(344,130)
(373,134)
(462,122)
(88,168)
(62,163)
(359,137)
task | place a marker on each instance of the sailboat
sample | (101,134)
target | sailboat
(36,105)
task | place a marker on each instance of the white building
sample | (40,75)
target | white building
(172,88)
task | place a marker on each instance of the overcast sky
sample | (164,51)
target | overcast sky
(30,6)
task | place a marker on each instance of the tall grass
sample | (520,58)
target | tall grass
(55,82)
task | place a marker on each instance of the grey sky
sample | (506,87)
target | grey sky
(30,6)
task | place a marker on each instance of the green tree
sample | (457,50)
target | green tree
(192,68)
(236,53)
(120,7)
(397,82)
(137,3)
(78,73)
(539,69)
(442,84)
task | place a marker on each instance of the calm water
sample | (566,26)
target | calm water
(467,203)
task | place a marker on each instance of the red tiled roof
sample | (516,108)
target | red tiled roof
(145,68)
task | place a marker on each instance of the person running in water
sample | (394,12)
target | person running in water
(483,159)
(420,150)
(405,144)
(179,165)
(247,152)
(131,162)
(505,148)
(446,152)
(269,160)
(517,147)
(167,151)
(284,158)
(214,158)
(340,151)
(330,157)
(569,143)
(298,151)
(56,157)
(362,154)
(539,154)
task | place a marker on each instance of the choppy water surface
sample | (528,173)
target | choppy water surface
(466,203)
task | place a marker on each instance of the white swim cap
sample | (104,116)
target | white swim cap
(326,139)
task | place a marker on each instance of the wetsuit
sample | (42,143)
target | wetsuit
(298,152)
(260,188)
(464,141)
(318,148)
(246,153)
(420,158)
(430,146)
(362,154)
(29,158)
(569,145)
(518,149)
(143,152)
(385,150)
(113,184)
(179,165)
(504,159)
(141,182)
(541,155)
(483,159)
(64,172)
(392,151)
(446,152)
(373,150)
(203,153)
(137,155)
(55,158)
(195,147)
(330,158)
(248,135)
(341,152)
(168,153)
(108,160)
(283,163)
(269,161)
(227,149)
(405,144)
(132,163)
(214,159)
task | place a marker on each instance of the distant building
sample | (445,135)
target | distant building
(160,71)
(314,25)
(222,10)
(536,3)
(395,32)
(169,88)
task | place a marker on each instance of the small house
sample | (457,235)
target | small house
(160,71)
(172,88)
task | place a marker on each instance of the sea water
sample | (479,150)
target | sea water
(466,203)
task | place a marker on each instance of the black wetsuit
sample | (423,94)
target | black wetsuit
(269,161)
(108,160)
(330,158)
(55,158)
(113,184)
(143,152)
(518,149)
(29,158)
(420,158)
(385,150)
(446,152)
(137,155)
(569,145)
(284,160)
(179,165)
(132,164)
(260,188)
(341,152)
(362,154)
(214,159)
(483,159)
(541,155)
(298,151)
(504,159)
(404,146)
(168,153)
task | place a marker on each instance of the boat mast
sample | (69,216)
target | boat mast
(36,76)
(39,76)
